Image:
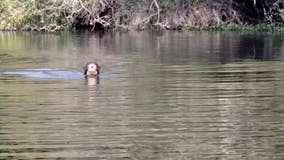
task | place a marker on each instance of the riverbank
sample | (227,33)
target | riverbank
(267,28)
(58,15)
(237,28)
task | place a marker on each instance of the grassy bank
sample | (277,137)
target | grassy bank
(212,15)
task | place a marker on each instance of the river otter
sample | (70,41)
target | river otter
(92,69)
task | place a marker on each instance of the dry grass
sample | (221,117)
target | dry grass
(201,15)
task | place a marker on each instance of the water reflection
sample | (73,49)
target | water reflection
(176,96)
(92,81)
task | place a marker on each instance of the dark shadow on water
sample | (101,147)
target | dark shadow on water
(259,47)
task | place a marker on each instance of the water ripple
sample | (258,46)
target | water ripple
(164,101)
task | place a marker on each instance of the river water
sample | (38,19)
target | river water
(172,95)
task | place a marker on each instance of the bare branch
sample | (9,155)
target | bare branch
(158,11)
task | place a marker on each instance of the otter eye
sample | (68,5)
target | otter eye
(92,66)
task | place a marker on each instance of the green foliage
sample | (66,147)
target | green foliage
(46,15)
(237,27)
(10,14)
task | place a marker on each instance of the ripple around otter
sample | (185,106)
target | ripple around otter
(45,73)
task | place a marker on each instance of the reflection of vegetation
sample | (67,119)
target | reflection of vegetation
(52,15)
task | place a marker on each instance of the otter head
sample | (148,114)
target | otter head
(92,69)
